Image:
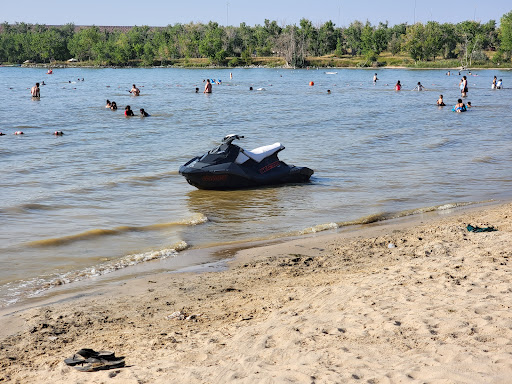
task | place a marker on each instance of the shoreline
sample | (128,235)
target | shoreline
(328,307)
(64,66)
(204,257)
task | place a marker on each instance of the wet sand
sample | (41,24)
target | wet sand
(417,302)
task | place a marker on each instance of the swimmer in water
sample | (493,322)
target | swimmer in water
(499,84)
(108,105)
(398,86)
(35,91)
(329,91)
(197,90)
(113,106)
(143,113)
(208,87)
(375,78)
(494,81)
(459,107)
(419,87)
(440,101)
(135,91)
(469,104)
(128,111)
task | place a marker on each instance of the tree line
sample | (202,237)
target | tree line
(470,42)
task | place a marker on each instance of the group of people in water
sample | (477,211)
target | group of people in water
(459,107)
(463,86)
(128,111)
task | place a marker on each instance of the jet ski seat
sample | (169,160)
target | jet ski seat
(258,154)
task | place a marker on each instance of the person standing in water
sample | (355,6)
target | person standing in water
(375,79)
(135,91)
(440,101)
(208,87)
(398,86)
(419,87)
(463,86)
(35,91)
(494,81)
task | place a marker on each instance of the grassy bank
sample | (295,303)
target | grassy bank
(385,59)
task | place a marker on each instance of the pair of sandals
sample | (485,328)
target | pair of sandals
(88,360)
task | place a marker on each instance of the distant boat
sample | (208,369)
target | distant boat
(331,73)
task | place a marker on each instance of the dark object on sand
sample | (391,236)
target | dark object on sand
(229,166)
(470,228)
(88,360)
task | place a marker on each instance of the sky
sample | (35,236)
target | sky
(234,12)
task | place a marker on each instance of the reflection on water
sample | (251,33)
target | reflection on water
(233,215)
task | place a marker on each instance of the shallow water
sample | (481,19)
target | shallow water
(107,195)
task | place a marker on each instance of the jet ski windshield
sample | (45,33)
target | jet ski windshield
(221,153)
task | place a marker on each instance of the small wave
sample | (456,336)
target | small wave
(440,144)
(378,217)
(37,207)
(31,207)
(396,215)
(25,126)
(35,287)
(96,233)
(319,228)
(485,159)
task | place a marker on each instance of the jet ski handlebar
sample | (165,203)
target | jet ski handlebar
(229,138)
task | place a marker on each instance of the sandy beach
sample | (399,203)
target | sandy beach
(415,301)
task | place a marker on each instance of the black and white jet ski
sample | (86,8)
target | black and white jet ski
(229,166)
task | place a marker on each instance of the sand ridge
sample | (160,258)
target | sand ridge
(429,303)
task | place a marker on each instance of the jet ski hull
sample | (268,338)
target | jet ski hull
(233,177)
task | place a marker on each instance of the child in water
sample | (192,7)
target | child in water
(128,111)
(113,106)
(440,101)
(143,113)
(419,87)
(459,107)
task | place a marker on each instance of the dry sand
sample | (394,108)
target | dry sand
(336,308)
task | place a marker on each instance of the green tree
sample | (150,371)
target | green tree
(81,46)
(414,41)
(505,34)
(353,37)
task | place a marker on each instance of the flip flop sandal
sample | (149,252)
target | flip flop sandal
(75,360)
(88,352)
(94,364)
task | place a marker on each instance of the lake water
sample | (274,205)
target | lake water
(107,195)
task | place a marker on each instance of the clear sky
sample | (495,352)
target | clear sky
(234,12)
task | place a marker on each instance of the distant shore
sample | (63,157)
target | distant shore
(420,300)
(273,62)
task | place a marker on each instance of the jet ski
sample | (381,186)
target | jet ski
(229,166)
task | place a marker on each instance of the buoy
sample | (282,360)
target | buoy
(311,83)
(58,133)
(18,133)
